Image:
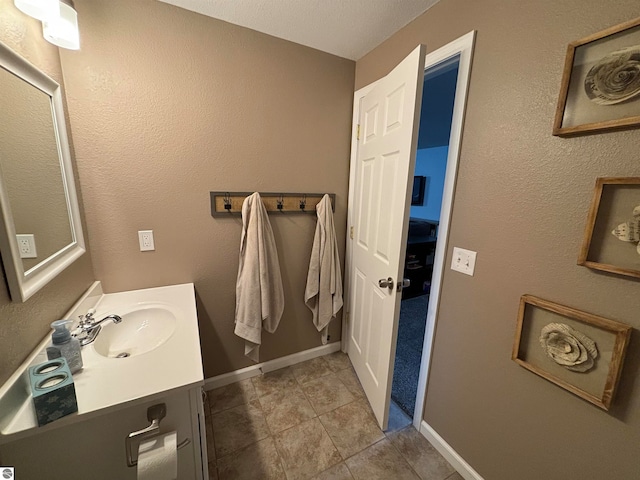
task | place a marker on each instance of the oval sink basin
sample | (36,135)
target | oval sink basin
(141,330)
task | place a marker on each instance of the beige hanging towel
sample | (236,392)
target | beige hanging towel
(259,292)
(323,294)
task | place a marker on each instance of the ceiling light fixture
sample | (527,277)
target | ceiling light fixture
(39,9)
(62,30)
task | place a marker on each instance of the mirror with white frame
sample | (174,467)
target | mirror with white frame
(40,227)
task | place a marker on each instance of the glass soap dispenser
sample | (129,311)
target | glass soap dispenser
(63,344)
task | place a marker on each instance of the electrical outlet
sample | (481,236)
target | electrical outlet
(146,240)
(463,261)
(27,245)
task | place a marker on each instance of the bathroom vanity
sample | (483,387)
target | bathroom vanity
(151,357)
(148,362)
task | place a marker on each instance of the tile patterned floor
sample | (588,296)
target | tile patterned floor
(312,421)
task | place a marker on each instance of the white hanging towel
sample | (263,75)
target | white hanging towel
(323,294)
(259,292)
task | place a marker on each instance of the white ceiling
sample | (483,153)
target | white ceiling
(347,28)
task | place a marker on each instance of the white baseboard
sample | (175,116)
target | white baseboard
(269,366)
(461,466)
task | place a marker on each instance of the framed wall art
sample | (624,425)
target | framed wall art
(600,87)
(611,241)
(578,351)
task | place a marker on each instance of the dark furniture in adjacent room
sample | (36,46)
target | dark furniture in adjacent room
(418,264)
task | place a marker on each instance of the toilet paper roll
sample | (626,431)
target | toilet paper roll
(158,458)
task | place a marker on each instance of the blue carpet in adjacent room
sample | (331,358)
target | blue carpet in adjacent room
(413,315)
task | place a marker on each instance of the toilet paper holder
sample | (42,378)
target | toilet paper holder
(155,414)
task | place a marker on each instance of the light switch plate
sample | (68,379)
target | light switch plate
(27,245)
(463,261)
(145,237)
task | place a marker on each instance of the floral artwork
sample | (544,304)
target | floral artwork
(600,87)
(568,347)
(578,351)
(630,231)
(615,78)
(607,244)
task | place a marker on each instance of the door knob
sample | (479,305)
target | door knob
(388,283)
(404,284)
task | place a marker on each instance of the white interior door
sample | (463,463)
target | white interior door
(389,118)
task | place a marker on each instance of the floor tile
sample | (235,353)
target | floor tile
(213,471)
(327,393)
(205,404)
(306,450)
(286,408)
(380,462)
(241,417)
(351,428)
(257,461)
(311,369)
(349,378)
(232,395)
(211,449)
(337,472)
(397,418)
(420,454)
(364,403)
(337,361)
(238,427)
(271,382)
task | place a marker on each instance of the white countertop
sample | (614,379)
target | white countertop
(106,384)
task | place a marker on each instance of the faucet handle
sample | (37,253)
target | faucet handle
(87,319)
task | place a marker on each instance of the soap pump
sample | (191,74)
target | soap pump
(63,344)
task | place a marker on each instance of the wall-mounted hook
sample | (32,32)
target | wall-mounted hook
(227,201)
(303,202)
(280,203)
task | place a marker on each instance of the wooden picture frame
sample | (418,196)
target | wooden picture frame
(538,318)
(600,87)
(613,203)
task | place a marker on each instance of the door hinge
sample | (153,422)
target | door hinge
(351,233)
(358,133)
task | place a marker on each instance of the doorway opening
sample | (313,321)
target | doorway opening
(436,116)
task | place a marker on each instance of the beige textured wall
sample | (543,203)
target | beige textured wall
(167,105)
(23,325)
(521,202)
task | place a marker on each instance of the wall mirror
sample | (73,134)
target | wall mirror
(40,228)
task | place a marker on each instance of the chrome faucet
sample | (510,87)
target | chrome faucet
(89,328)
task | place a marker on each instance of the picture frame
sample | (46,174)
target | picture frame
(600,87)
(613,208)
(419,186)
(546,330)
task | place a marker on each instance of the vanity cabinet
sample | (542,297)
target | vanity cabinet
(95,448)
(114,392)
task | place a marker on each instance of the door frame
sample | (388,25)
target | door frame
(463,47)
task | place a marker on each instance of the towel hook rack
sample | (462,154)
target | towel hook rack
(229,204)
